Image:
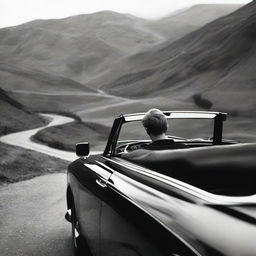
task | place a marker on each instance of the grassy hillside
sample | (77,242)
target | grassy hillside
(79,47)
(18,164)
(13,78)
(14,117)
(182,23)
(70,102)
(123,31)
(66,136)
(219,58)
(211,68)
(85,47)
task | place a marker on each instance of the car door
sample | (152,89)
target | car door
(132,215)
(92,181)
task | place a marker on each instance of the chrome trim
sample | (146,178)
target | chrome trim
(76,231)
(68,215)
(176,115)
(99,170)
(104,166)
(102,183)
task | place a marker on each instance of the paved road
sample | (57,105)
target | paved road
(32,218)
(22,139)
(32,212)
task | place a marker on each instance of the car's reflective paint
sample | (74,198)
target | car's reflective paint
(125,209)
(203,227)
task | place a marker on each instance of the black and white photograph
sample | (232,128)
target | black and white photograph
(127,128)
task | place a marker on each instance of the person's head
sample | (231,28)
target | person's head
(155,122)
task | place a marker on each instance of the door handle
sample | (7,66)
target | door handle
(102,183)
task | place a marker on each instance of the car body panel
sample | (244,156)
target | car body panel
(125,208)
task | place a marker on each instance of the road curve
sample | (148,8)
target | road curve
(32,212)
(22,139)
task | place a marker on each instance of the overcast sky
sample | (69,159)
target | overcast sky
(14,12)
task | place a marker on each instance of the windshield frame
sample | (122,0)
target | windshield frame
(218,117)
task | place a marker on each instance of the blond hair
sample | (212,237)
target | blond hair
(155,122)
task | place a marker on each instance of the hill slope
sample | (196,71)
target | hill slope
(14,116)
(216,61)
(78,47)
(211,68)
(172,27)
(85,47)
(16,78)
(178,25)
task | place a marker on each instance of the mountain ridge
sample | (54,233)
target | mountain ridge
(79,47)
(196,53)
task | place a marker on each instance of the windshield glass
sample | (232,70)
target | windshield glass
(184,128)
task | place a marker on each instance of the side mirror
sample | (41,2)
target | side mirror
(82,149)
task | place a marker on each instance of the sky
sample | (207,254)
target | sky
(15,12)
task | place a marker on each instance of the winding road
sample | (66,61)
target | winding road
(22,139)
(32,212)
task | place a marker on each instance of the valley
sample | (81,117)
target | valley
(100,65)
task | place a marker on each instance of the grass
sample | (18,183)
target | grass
(56,103)
(17,164)
(66,136)
(62,113)
(14,119)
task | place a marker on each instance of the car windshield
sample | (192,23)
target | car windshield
(184,128)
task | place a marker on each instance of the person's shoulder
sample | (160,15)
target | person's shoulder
(165,144)
(135,155)
(160,144)
(181,145)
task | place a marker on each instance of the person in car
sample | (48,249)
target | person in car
(155,124)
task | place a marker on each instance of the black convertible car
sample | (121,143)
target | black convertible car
(200,200)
